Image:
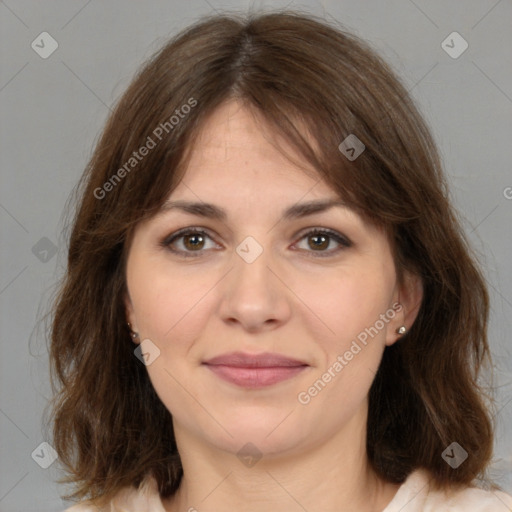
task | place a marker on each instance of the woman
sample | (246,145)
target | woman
(270,303)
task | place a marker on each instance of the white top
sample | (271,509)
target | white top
(412,496)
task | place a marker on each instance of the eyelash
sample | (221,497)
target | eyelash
(169,240)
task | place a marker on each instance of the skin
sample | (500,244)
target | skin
(289,300)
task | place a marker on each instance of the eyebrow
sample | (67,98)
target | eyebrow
(212,211)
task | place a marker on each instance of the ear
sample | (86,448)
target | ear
(407,298)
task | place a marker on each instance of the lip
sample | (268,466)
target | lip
(255,370)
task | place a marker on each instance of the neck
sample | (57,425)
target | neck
(333,475)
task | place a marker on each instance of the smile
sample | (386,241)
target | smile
(255,377)
(254,371)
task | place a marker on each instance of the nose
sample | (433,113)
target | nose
(254,295)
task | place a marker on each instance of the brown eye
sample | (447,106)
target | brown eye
(319,240)
(187,242)
(193,241)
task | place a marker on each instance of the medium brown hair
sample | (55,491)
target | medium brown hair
(300,74)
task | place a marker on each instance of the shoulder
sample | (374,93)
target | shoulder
(417,494)
(129,499)
(470,500)
(82,508)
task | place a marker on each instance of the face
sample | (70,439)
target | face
(316,288)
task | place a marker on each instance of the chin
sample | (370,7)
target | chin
(272,431)
(247,441)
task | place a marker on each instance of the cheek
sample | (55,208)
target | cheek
(351,337)
(346,304)
(172,311)
(351,354)
(170,306)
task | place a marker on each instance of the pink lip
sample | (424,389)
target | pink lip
(254,371)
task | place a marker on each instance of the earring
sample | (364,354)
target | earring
(133,334)
(401,330)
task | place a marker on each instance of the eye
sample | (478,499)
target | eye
(320,239)
(188,240)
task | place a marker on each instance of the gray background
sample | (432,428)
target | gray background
(53,109)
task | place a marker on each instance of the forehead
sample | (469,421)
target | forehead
(236,147)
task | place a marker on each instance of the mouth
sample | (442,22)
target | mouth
(254,371)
